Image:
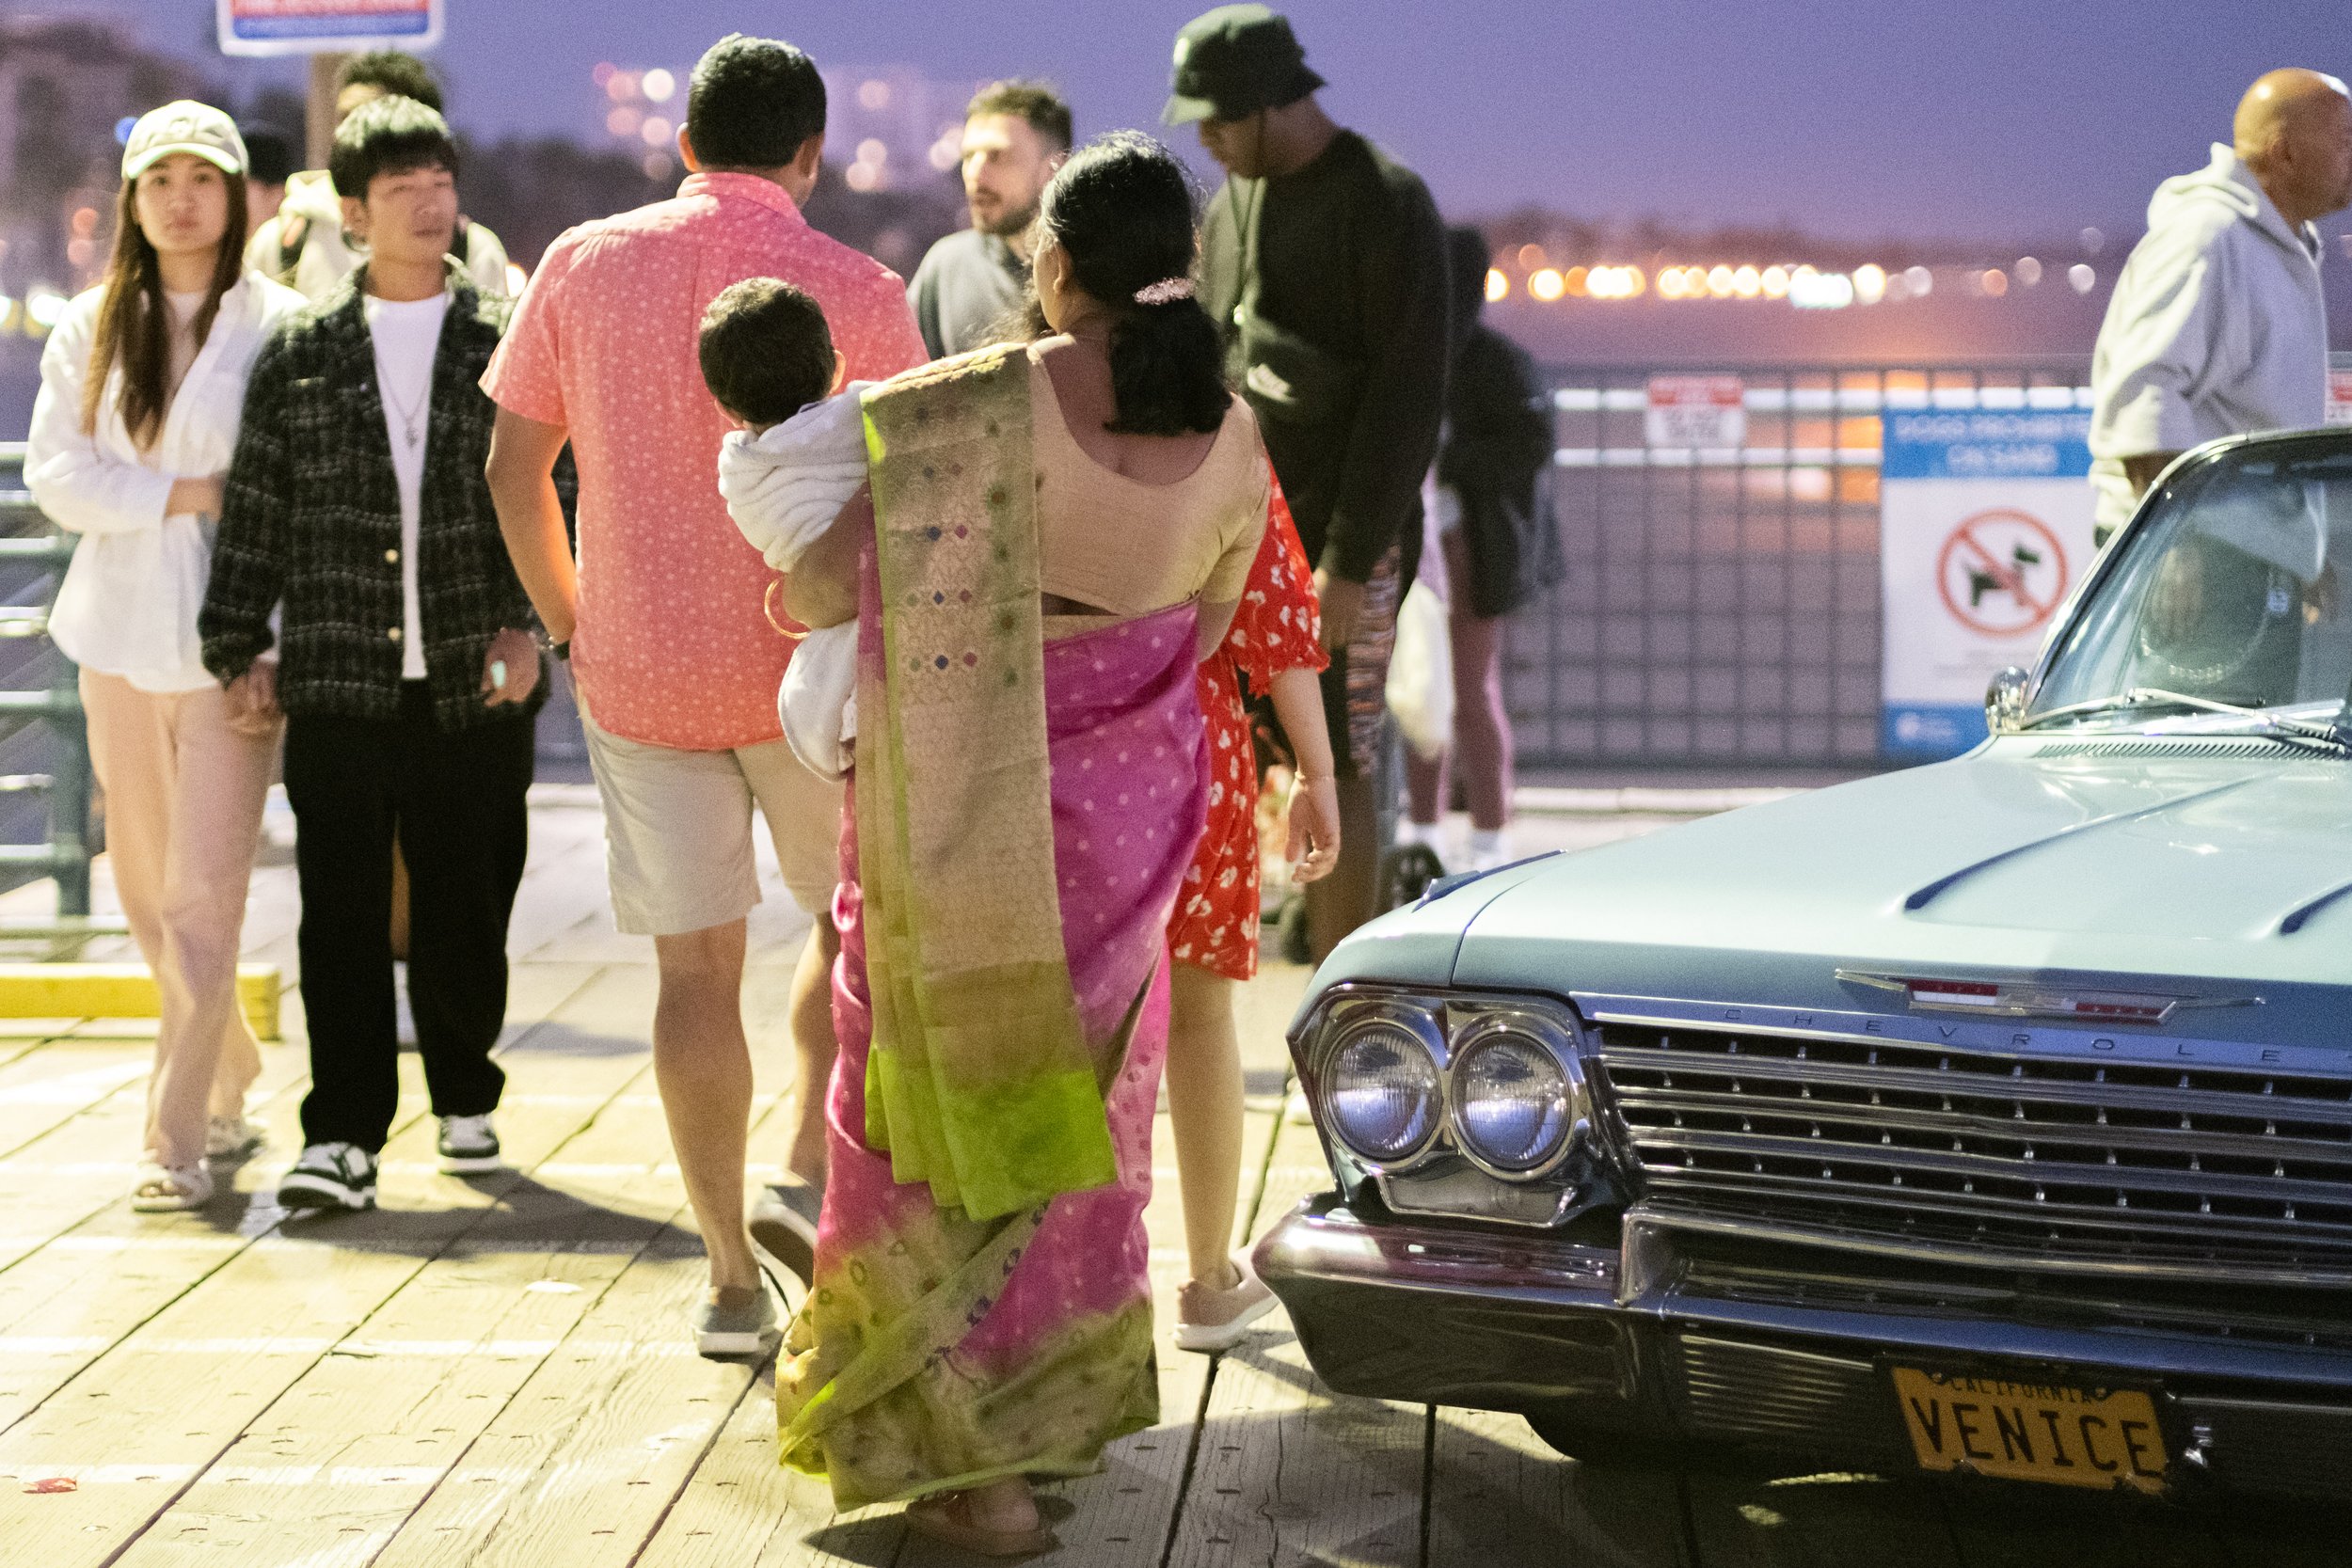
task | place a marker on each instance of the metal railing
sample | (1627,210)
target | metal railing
(46,827)
(1723,603)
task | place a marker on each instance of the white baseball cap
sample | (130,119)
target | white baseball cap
(185,126)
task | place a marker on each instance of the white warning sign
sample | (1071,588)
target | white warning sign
(1985,528)
(1707,412)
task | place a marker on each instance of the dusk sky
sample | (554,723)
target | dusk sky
(1890,117)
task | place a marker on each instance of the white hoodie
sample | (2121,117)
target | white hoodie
(2217,327)
(784,487)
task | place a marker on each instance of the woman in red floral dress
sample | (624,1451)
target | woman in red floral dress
(1275,644)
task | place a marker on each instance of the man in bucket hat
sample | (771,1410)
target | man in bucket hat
(1323,262)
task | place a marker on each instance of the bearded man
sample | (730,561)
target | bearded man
(1015,135)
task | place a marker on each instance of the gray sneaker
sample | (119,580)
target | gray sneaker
(735,1320)
(469,1145)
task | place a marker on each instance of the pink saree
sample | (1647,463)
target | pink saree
(944,1345)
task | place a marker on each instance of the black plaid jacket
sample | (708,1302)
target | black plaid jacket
(312,518)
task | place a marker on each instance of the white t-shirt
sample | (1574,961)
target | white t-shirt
(408,336)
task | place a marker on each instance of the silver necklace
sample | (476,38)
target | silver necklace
(409,417)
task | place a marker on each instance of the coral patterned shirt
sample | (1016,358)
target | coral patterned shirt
(674,647)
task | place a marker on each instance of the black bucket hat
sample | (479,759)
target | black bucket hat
(1234,61)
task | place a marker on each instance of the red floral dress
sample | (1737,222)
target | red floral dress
(1277,627)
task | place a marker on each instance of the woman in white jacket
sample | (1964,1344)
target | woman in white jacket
(140,388)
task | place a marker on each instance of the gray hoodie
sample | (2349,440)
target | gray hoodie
(2217,327)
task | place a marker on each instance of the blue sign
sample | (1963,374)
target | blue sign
(2036,444)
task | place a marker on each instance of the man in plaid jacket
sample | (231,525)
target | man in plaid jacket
(405,661)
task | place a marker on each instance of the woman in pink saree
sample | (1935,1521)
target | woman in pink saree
(1060,530)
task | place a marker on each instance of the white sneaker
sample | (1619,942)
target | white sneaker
(469,1145)
(1489,848)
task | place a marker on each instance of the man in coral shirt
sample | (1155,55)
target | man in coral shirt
(664,610)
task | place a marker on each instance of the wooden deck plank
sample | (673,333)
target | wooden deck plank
(152,1413)
(44,1089)
(1499,1494)
(1286,1471)
(636,1410)
(70,1299)
(356,1444)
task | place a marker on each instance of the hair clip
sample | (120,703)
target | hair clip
(1167,290)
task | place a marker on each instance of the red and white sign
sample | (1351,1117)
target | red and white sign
(2340,397)
(1705,412)
(2002,573)
(314,27)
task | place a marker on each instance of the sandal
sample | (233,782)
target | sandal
(167,1189)
(947,1519)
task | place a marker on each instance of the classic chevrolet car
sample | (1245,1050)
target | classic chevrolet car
(1994,1115)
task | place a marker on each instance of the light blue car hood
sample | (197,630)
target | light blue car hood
(2200,874)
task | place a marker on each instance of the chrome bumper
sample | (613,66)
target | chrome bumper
(1616,1340)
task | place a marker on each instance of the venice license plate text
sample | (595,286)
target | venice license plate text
(2060,1432)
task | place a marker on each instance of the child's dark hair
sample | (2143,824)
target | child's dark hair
(1122,210)
(388,135)
(766,351)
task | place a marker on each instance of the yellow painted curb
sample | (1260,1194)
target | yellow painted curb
(120,991)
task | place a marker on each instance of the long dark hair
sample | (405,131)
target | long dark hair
(135,324)
(1122,210)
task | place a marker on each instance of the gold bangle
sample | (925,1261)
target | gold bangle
(767,608)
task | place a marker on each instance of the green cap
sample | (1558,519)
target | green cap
(1233,62)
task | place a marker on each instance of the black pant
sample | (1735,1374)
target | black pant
(457,802)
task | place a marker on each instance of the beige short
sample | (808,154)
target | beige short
(678,831)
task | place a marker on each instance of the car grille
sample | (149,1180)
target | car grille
(2104,1156)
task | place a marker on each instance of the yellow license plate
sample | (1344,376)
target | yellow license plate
(2063,1434)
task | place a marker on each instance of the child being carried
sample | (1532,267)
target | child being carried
(795,465)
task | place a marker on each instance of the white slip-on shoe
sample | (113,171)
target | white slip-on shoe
(1213,1321)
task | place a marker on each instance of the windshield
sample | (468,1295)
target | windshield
(2238,592)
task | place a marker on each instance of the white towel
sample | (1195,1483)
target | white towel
(818,701)
(784,487)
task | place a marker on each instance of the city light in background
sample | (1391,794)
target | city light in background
(1796,285)
(896,125)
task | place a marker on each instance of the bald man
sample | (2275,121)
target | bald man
(2218,326)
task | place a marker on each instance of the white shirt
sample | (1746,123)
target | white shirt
(408,338)
(128,604)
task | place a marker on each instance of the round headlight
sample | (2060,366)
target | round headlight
(1513,1107)
(1383,1095)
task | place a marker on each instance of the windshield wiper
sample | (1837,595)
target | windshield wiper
(2151,696)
